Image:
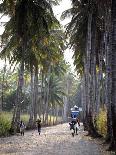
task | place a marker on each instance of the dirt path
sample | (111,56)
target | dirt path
(55,140)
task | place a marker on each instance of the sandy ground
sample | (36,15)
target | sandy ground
(56,140)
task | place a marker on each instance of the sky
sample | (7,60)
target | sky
(64,5)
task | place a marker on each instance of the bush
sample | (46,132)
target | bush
(5,124)
(101,122)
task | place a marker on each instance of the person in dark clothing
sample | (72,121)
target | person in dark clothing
(39,126)
(74,124)
(77,125)
(22,128)
(72,127)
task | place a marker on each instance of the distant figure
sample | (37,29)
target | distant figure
(77,125)
(39,126)
(72,127)
(74,124)
(22,128)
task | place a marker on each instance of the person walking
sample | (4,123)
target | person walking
(39,126)
(22,127)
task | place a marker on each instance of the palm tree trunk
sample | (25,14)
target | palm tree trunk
(43,96)
(113,69)
(50,121)
(92,77)
(47,94)
(19,93)
(108,73)
(87,72)
(0,105)
(65,99)
(83,100)
(16,114)
(65,108)
(35,93)
(57,109)
(31,110)
(53,113)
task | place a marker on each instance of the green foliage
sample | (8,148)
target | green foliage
(55,91)
(101,122)
(10,100)
(25,118)
(5,124)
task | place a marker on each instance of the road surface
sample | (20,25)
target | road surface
(55,140)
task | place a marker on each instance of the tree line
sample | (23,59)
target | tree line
(34,39)
(33,42)
(92,37)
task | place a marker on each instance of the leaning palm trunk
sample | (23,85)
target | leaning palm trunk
(113,70)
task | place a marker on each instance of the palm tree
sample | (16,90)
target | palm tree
(30,28)
(56,94)
(84,30)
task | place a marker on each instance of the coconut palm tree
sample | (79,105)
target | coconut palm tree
(30,28)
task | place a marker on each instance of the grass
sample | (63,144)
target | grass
(6,118)
(25,118)
(5,123)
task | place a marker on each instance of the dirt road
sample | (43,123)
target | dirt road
(56,140)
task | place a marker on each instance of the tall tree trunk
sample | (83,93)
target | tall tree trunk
(83,100)
(42,97)
(99,98)
(47,94)
(113,69)
(108,73)
(87,71)
(35,93)
(17,109)
(92,79)
(66,99)
(19,93)
(57,109)
(31,109)
(2,93)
